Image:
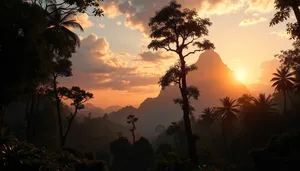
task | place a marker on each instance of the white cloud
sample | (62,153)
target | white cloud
(259,6)
(101,25)
(252,21)
(282,34)
(84,21)
(119,23)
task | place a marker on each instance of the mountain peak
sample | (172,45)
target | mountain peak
(209,58)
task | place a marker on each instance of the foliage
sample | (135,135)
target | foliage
(176,30)
(131,119)
(284,8)
(283,82)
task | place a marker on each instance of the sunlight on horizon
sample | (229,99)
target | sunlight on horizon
(240,75)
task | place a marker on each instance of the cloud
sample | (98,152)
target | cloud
(138,12)
(267,69)
(261,6)
(96,67)
(157,56)
(282,34)
(101,25)
(119,23)
(251,21)
(84,21)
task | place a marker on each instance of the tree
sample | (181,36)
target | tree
(228,112)
(174,129)
(131,119)
(58,34)
(78,97)
(283,82)
(143,155)
(121,150)
(265,104)
(78,5)
(174,29)
(284,9)
(208,115)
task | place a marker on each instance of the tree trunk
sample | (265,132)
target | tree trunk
(64,138)
(58,112)
(186,115)
(133,134)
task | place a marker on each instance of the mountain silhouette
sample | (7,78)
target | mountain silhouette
(214,80)
(111,109)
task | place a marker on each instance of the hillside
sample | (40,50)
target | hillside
(214,80)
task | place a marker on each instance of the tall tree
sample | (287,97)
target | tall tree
(228,112)
(175,29)
(131,119)
(283,82)
(284,9)
(78,97)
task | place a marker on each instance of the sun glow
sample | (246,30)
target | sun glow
(240,75)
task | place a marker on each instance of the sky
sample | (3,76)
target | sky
(113,61)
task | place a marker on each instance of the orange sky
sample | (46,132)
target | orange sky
(114,63)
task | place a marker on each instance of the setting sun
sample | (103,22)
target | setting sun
(240,75)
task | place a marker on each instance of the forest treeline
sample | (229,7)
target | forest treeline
(40,132)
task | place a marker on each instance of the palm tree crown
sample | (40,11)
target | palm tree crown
(208,115)
(228,109)
(265,103)
(283,80)
(59,26)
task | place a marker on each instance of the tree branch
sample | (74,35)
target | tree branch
(169,49)
(199,50)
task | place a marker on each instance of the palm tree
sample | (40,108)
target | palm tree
(283,82)
(265,104)
(228,110)
(208,115)
(245,100)
(58,27)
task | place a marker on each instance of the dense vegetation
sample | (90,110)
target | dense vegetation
(40,132)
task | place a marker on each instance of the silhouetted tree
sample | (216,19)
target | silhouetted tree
(78,97)
(227,112)
(174,29)
(283,82)
(265,104)
(284,9)
(174,129)
(121,150)
(143,155)
(62,40)
(208,116)
(131,119)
